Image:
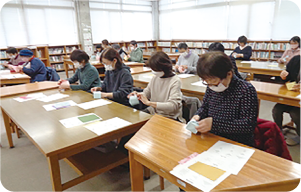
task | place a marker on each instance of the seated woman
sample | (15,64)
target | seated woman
(243,51)
(292,73)
(33,66)
(163,93)
(15,59)
(118,81)
(230,105)
(135,52)
(187,61)
(86,73)
(293,51)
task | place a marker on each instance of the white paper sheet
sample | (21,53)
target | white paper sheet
(107,126)
(226,156)
(129,63)
(60,105)
(93,104)
(74,121)
(247,62)
(148,76)
(53,97)
(199,83)
(13,76)
(185,174)
(299,96)
(29,97)
(185,75)
(4,72)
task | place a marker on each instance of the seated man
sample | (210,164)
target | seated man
(135,53)
(187,61)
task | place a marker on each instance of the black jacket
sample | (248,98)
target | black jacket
(293,69)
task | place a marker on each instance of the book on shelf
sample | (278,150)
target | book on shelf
(197,44)
(56,50)
(164,43)
(151,50)
(59,66)
(56,58)
(276,55)
(70,49)
(252,45)
(141,44)
(166,50)
(3,54)
(40,53)
(150,44)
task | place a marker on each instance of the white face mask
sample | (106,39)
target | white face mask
(219,88)
(77,65)
(108,67)
(11,56)
(158,73)
(185,54)
(132,48)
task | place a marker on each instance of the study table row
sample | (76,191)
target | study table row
(265,91)
(159,145)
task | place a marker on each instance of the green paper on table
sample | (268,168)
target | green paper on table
(88,118)
(290,85)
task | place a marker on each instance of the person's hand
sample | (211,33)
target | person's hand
(19,67)
(280,60)
(176,67)
(297,87)
(104,95)
(143,99)
(95,89)
(284,74)
(205,125)
(61,81)
(239,55)
(184,67)
(132,94)
(196,117)
(181,69)
(64,85)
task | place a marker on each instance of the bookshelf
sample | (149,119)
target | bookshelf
(57,53)
(269,50)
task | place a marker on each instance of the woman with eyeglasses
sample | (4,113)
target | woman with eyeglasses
(230,105)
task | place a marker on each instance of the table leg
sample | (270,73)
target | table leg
(55,173)
(161,182)
(6,120)
(146,173)
(136,171)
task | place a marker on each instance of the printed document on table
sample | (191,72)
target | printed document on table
(80,120)
(53,97)
(185,75)
(247,62)
(59,105)
(199,83)
(107,126)
(29,97)
(203,179)
(226,156)
(93,104)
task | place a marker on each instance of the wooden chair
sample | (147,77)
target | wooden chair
(67,63)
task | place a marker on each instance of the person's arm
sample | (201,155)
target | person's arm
(247,53)
(178,64)
(235,68)
(147,90)
(283,57)
(88,80)
(293,69)
(174,101)
(125,87)
(104,84)
(247,120)
(35,66)
(234,51)
(192,67)
(74,78)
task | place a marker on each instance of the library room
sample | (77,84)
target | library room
(150,95)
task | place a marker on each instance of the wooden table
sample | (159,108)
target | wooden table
(139,70)
(5,81)
(27,88)
(265,91)
(75,145)
(162,142)
(264,68)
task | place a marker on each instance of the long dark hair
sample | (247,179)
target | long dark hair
(159,61)
(111,54)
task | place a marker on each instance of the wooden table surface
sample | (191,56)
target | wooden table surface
(27,88)
(19,80)
(162,142)
(73,144)
(264,68)
(265,91)
(139,70)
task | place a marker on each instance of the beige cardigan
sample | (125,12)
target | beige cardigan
(166,92)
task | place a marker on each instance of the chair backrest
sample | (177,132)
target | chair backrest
(190,105)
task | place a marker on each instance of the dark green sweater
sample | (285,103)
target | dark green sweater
(87,76)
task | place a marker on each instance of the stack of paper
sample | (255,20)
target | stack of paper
(206,170)
(107,126)
(80,120)
(199,83)
(13,76)
(290,85)
(53,97)
(59,105)
(93,104)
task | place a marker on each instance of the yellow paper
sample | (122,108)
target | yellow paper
(290,85)
(208,171)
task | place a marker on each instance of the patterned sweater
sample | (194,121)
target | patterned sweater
(234,111)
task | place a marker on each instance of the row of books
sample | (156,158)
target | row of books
(151,50)
(266,55)
(141,44)
(57,66)
(3,54)
(56,58)
(163,43)
(70,49)
(56,50)
(150,44)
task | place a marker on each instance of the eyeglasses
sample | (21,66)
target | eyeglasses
(208,84)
